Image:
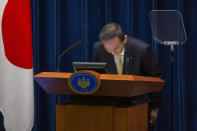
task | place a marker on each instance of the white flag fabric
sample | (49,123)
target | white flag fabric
(16,65)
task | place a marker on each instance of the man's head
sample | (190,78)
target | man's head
(113,38)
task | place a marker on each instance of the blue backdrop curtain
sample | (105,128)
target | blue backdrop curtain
(59,23)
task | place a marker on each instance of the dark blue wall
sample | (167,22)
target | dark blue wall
(59,23)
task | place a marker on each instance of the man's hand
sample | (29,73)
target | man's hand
(153,115)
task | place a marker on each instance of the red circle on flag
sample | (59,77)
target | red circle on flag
(17,33)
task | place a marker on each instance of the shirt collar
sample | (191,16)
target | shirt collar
(122,53)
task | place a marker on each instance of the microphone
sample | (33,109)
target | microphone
(66,51)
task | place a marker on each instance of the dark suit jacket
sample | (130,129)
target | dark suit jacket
(139,59)
(1,122)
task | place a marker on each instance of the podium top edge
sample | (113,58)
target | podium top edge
(53,74)
(103,77)
(130,78)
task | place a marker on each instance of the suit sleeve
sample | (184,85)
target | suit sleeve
(95,52)
(150,63)
(151,68)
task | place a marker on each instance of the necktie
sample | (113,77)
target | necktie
(119,65)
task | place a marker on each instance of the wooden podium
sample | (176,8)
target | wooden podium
(102,111)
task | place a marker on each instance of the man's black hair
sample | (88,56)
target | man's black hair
(110,31)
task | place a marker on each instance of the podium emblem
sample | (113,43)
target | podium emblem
(84,83)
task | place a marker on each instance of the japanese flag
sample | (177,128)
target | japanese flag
(16,65)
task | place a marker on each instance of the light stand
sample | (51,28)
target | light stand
(168,29)
(171,43)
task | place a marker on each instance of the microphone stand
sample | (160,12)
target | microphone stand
(66,51)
